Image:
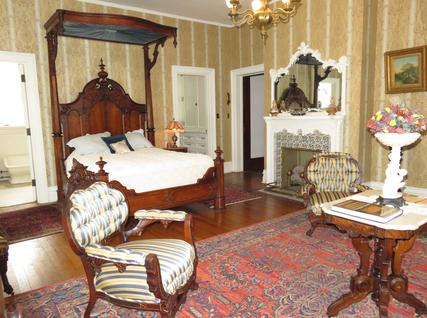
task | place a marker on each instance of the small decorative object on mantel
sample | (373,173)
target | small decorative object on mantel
(274,110)
(396,126)
(298,112)
(332,108)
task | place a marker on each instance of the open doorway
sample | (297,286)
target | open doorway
(16,167)
(253,123)
(19,113)
(194,106)
(236,77)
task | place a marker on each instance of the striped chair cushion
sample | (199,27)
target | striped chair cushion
(176,259)
(115,254)
(318,198)
(167,215)
(96,213)
(333,173)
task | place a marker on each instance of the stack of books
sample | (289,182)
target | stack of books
(368,211)
(415,199)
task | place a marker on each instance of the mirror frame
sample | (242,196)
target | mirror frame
(304,49)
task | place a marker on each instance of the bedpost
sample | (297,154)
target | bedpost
(101,175)
(52,45)
(219,173)
(148,95)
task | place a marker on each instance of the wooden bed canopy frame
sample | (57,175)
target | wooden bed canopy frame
(103,104)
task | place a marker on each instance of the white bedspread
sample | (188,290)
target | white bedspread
(148,168)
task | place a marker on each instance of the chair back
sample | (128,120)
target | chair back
(95,213)
(333,171)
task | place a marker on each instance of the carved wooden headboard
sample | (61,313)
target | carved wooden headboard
(103,105)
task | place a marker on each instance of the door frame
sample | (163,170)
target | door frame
(209,75)
(236,78)
(28,60)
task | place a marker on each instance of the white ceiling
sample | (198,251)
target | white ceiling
(206,11)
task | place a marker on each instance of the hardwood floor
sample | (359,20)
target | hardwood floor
(40,262)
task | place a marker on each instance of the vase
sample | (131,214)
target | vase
(394,175)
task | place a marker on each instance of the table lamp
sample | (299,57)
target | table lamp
(174,127)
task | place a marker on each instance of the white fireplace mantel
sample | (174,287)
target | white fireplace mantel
(320,121)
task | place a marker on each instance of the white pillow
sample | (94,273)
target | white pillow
(120,147)
(89,144)
(137,140)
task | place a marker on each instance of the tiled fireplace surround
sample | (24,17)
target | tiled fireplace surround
(314,131)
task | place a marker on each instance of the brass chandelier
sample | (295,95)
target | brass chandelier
(261,15)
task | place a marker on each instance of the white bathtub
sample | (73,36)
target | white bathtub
(18,167)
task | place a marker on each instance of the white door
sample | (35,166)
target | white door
(192,112)
(17,184)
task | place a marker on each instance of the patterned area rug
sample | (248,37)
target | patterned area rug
(271,269)
(31,223)
(235,195)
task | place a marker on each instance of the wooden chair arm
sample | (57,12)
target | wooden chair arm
(307,190)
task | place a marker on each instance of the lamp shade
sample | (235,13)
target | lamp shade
(175,126)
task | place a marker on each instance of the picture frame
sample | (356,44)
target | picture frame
(405,70)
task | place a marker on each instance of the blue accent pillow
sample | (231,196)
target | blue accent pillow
(114,139)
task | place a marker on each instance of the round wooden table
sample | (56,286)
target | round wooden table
(384,278)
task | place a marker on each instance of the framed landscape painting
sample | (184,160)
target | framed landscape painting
(405,70)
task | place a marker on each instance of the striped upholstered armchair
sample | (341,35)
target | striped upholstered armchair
(149,274)
(329,176)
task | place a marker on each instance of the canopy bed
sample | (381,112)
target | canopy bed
(104,106)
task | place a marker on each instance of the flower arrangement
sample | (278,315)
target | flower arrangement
(397,119)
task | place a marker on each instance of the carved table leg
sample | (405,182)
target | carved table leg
(398,282)
(383,257)
(361,284)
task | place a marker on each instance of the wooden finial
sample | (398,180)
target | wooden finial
(101,174)
(218,152)
(102,74)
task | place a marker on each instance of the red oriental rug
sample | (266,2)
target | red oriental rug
(235,195)
(271,269)
(30,223)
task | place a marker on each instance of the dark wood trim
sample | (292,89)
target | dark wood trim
(52,46)
(148,65)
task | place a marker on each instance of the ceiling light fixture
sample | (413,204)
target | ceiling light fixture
(261,15)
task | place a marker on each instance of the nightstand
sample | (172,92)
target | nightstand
(177,149)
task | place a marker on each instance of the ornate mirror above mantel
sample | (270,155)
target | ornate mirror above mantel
(309,83)
(304,87)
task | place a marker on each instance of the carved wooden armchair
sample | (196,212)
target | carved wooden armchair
(329,176)
(148,274)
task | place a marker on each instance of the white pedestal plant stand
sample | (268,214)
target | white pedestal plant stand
(394,175)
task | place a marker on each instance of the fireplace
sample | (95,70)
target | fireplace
(314,132)
(292,152)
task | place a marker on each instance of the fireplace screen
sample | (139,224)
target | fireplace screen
(293,164)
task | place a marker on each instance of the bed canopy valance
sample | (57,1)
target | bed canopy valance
(109,28)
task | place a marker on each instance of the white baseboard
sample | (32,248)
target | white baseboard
(228,166)
(52,194)
(411,190)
